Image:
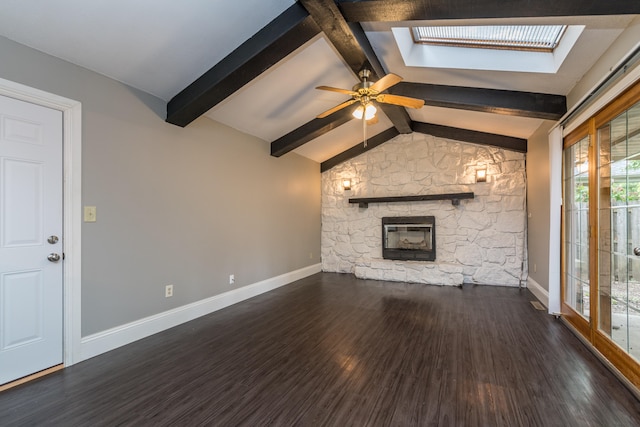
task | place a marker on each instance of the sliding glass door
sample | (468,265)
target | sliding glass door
(601,232)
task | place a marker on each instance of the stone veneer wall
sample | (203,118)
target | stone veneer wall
(483,240)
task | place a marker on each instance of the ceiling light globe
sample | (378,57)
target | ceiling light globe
(358,112)
(370,112)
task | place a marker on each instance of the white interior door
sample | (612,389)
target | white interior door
(31,290)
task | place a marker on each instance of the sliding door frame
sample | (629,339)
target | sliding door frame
(589,329)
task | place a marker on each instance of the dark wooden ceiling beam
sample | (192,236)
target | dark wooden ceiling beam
(475,137)
(267,47)
(335,28)
(497,101)
(309,131)
(402,10)
(457,134)
(356,150)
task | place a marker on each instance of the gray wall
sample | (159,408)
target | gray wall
(538,205)
(186,206)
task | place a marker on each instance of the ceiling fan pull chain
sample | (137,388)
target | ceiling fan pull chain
(364,131)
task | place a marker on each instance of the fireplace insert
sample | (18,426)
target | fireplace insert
(409,238)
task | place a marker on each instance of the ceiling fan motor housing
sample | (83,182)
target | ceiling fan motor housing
(364,74)
(363,86)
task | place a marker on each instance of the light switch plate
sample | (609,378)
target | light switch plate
(90,214)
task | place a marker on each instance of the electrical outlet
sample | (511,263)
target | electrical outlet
(535,268)
(232,279)
(168,291)
(310,255)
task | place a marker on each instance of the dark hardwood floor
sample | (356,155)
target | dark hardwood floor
(334,350)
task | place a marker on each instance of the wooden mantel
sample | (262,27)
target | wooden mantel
(455,198)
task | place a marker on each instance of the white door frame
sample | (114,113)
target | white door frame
(72,205)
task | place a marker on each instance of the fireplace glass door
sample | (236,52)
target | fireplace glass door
(409,238)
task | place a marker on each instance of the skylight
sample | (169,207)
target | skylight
(513,37)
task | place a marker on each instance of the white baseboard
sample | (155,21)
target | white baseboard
(113,338)
(536,289)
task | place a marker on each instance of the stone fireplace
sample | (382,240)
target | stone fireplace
(479,240)
(409,238)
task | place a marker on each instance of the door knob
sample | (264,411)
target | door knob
(53,257)
(636,251)
(53,240)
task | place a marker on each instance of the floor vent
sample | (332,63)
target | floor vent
(537,305)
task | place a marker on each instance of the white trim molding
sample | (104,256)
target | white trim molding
(104,341)
(538,291)
(555,209)
(72,204)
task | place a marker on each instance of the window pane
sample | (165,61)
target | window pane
(619,230)
(576,226)
(518,37)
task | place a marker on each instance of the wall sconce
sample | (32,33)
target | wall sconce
(346,184)
(481,175)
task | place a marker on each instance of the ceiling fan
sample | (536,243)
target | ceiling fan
(366,92)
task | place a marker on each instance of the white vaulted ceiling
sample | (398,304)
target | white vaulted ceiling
(161,46)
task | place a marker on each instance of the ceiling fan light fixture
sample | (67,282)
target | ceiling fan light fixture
(368,111)
(358,112)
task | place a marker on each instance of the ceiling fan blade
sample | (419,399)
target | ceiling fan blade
(336,108)
(337,89)
(403,101)
(386,82)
